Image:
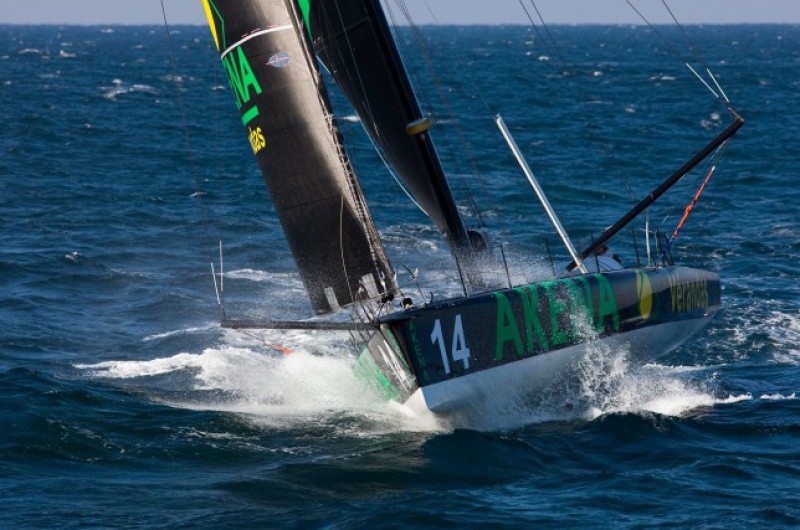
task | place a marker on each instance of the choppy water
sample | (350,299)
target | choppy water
(124,404)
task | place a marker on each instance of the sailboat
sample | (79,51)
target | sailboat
(451,354)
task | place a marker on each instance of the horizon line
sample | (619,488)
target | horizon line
(201,24)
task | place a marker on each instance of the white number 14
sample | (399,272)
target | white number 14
(458,349)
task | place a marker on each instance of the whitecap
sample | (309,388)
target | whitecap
(184,331)
(263,276)
(143,88)
(274,390)
(777,397)
(784,329)
(73,257)
(114,92)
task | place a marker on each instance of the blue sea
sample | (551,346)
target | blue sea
(125,405)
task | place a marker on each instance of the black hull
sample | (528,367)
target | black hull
(461,339)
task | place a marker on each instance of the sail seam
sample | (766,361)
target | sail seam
(252,36)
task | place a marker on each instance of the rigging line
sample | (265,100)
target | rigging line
(561,62)
(689,66)
(377,252)
(375,241)
(699,57)
(478,110)
(190,151)
(359,78)
(217,155)
(690,208)
(356,194)
(713,161)
(391,172)
(352,57)
(689,41)
(673,206)
(724,100)
(220,182)
(666,41)
(565,66)
(577,94)
(550,35)
(426,49)
(341,252)
(379,151)
(420,88)
(719,87)
(436,20)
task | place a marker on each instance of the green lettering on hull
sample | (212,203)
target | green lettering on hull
(558,336)
(507,329)
(530,299)
(606,304)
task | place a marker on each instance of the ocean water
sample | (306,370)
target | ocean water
(124,404)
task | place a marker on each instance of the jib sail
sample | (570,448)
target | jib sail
(353,41)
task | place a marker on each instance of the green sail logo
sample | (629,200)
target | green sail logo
(239,72)
(242,81)
(305,7)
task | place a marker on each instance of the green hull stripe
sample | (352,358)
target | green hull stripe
(368,370)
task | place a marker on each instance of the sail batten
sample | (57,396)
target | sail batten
(285,109)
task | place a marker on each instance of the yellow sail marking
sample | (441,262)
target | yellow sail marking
(211,24)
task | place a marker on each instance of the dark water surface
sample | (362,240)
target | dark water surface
(124,404)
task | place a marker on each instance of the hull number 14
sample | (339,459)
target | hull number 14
(458,346)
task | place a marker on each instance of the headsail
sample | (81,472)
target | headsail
(285,109)
(353,41)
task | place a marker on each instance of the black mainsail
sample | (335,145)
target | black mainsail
(353,41)
(265,50)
